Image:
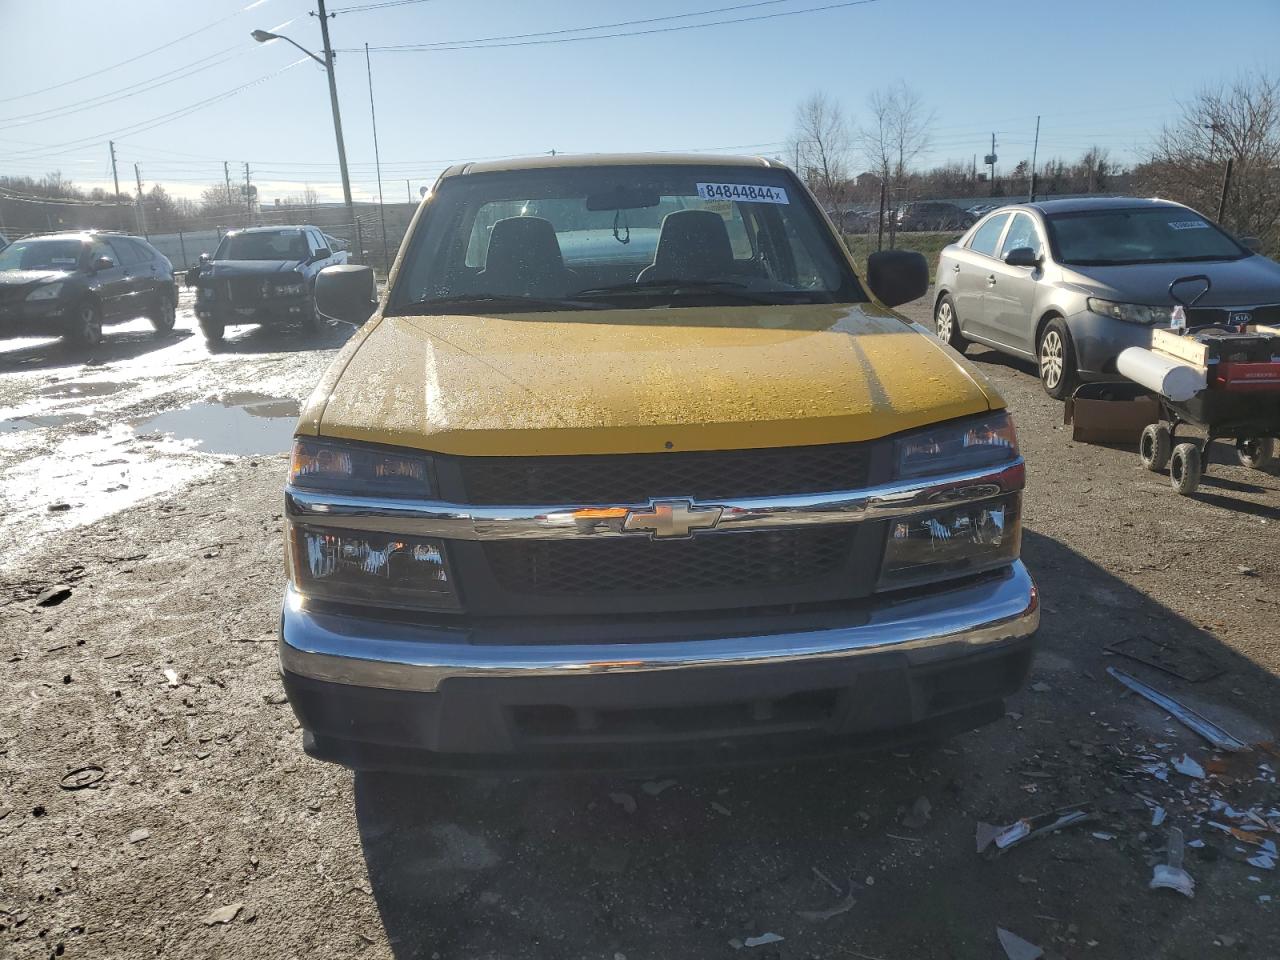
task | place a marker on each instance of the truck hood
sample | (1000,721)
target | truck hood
(221,269)
(1245,282)
(635,381)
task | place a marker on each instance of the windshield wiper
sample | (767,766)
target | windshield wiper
(732,288)
(500,301)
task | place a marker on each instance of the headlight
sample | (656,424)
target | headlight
(49,291)
(290,289)
(356,566)
(952,543)
(1140,313)
(957,446)
(359,470)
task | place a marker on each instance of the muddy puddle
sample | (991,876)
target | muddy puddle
(82,388)
(18,424)
(239,424)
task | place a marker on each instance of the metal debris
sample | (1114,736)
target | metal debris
(842,906)
(1170,875)
(1015,948)
(1188,717)
(1007,836)
(82,777)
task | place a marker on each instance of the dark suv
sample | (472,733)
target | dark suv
(263,275)
(69,284)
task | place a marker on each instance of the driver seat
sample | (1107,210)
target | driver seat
(524,259)
(693,245)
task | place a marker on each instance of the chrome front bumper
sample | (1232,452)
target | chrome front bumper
(387,655)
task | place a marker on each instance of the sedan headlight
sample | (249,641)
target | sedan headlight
(952,543)
(49,291)
(359,470)
(957,446)
(357,566)
(1140,313)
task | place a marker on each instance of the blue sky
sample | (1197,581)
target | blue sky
(1098,72)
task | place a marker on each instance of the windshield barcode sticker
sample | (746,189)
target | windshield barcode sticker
(1188,225)
(748,192)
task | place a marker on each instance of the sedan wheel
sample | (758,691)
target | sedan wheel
(1056,356)
(86,327)
(166,313)
(1051,360)
(946,325)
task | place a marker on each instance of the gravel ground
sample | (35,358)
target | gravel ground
(159,669)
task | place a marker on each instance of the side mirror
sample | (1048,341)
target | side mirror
(103,263)
(897,276)
(346,293)
(324,253)
(1252,243)
(1022,257)
(205,258)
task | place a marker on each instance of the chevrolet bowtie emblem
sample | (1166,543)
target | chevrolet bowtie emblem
(671,519)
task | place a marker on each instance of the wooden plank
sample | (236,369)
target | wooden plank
(1175,345)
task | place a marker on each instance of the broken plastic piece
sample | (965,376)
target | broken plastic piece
(1015,948)
(761,940)
(1188,767)
(1188,717)
(1157,816)
(1170,875)
(1026,828)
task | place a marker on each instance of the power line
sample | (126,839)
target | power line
(600,26)
(361,7)
(154,122)
(146,53)
(474,45)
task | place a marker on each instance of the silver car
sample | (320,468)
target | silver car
(1071,283)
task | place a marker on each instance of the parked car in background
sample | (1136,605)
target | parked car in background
(933,215)
(262,275)
(1071,283)
(637,471)
(979,209)
(70,284)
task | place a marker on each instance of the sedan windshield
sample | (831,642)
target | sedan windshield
(41,255)
(623,237)
(1140,235)
(267,245)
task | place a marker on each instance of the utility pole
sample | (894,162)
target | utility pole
(115,200)
(226,172)
(248,195)
(1035,149)
(373,117)
(142,212)
(408,192)
(337,118)
(990,160)
(1226,185)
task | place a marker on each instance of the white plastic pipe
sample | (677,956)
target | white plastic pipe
(1165,375)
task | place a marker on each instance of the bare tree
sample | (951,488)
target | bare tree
(1238,122)
(819,150)
(896,134)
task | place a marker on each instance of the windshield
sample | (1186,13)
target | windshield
(627,237)
(268,245)
(1142,235)
(41,255)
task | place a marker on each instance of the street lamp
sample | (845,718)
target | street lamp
(264,36)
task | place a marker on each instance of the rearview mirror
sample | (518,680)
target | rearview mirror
(346,293)
(1022,257)
(103,263)
(205,258)
(897,276)
(1252,243)
(623,198)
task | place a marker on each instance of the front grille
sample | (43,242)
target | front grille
(620,567)
(636,478)
(1197,316)
(244,291)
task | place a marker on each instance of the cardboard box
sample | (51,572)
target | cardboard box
(1113,413)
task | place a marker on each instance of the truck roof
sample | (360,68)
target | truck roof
(607,160)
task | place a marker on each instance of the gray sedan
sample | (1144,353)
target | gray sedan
(1071,283)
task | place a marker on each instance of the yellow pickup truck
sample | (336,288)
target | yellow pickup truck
(628,468)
